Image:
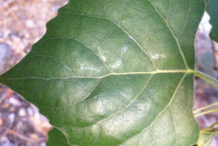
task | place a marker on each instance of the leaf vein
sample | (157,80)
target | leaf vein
(125,107)
(171,31)
(174,122)
(166,107)
(124,31)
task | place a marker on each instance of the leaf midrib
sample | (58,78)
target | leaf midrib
(104,76)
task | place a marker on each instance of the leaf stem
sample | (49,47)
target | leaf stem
(212,81)
(207,112)
(214,124)
(215,133)
(205,107)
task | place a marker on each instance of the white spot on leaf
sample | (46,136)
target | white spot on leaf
(117,64)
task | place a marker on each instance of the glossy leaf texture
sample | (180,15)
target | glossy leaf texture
(212,9)
(115,72)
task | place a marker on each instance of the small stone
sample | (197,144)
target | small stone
(4,141)
(30,111)
(5,106)
(22,112)
(43,144)
(5,54)
(29,23)
(14,101)
(1,122)
(12,109)
(11,117)
(34,137)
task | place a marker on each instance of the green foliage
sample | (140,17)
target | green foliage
(115,72)
(57,138)
(212,9)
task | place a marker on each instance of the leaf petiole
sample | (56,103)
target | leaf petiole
(205,107)
(212,81)
(207,112)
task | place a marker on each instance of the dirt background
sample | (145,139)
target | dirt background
(22,23)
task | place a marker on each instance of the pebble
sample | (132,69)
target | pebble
(12,109)
(22,112)
(29,23)
(30,111)
(14,101)
(11,117)
(43,144)
(1,122)
(34,136)
(5,106)
(4,141)
(5,51)
(5,54)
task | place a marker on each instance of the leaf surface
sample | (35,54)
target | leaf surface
(212,9)
(57,138)
(115,72)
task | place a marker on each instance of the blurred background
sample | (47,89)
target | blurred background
(22,23)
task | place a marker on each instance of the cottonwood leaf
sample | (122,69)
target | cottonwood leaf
(212,9)
(115,72)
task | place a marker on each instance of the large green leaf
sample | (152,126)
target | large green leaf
(115,72)
(212,9)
